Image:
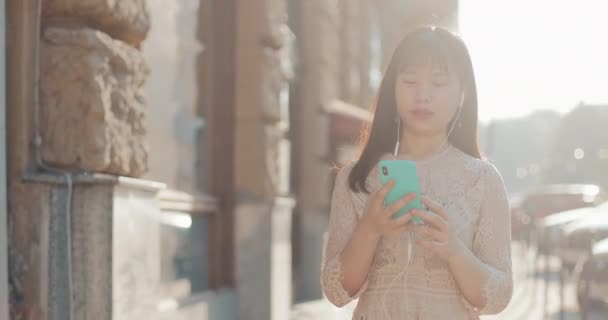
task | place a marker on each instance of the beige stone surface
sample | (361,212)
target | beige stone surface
(172,90)
(92,102)
(136,255)
(28,246)
(127,20)
(356,47)
(274,20)
(321,58)
(263,259)
(276,72)
(264,61)
(92,255)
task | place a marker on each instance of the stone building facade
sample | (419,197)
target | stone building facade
(173,159)
(3,179)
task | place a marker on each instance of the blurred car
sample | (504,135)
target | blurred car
(549,229)
(519,219)
(579,238)
(543,200)
(592,285)
(547,199)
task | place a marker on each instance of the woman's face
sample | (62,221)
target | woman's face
(427,98)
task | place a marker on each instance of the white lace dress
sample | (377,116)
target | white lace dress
(473,194)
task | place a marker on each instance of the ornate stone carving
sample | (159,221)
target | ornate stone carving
(127,20)
(92,102)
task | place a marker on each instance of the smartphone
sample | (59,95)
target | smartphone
(406,181)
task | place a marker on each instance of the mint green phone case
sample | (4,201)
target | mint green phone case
(406,181)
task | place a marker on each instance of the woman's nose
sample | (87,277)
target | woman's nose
(423,93)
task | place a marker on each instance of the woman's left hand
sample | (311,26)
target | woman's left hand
(437,234)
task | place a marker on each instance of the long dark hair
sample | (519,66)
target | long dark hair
(418,46)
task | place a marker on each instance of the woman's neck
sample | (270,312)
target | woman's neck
(421,146)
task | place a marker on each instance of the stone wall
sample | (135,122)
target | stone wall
(91,111)
(320,55)
(264,70)
(92,102)
(173,126)
(262,154)
(91,86)
(3,177)
(136,255)
(127,21)
(90,222)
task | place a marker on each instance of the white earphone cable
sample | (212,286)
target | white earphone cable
(410,244)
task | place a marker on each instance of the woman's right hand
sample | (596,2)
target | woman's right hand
(377,218)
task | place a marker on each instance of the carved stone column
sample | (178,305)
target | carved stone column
(264,206)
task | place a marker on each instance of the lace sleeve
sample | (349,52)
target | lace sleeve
(342,222)
(492,243)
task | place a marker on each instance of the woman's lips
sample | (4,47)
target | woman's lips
(422,114)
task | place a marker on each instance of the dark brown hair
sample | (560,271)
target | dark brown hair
(426,43)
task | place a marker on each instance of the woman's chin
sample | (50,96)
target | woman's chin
(424,130)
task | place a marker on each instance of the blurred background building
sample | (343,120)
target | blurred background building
(175,159)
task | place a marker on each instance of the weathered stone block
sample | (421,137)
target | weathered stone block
(92,102)
(265,57)
(127,20)
(274,21)
(312,226)
(263,258)
(277,71)
(136,255)
(266,149)
(277,152)
(91,251)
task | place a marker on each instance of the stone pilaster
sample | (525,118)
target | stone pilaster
(127,21)
(264,208)
(91,118)
(92,102)
(320,83)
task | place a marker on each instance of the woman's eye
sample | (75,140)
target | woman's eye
(441,81)
(407,81)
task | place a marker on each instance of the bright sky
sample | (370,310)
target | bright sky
(532,54)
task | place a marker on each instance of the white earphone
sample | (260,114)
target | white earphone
(398,120)
(410,247)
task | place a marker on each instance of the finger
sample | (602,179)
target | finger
(427,244)
(380,195)
(431,218)
(405,227)
(403,220)
(397,205)
(430,233)
(434,206)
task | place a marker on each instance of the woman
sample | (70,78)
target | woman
(457,265)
